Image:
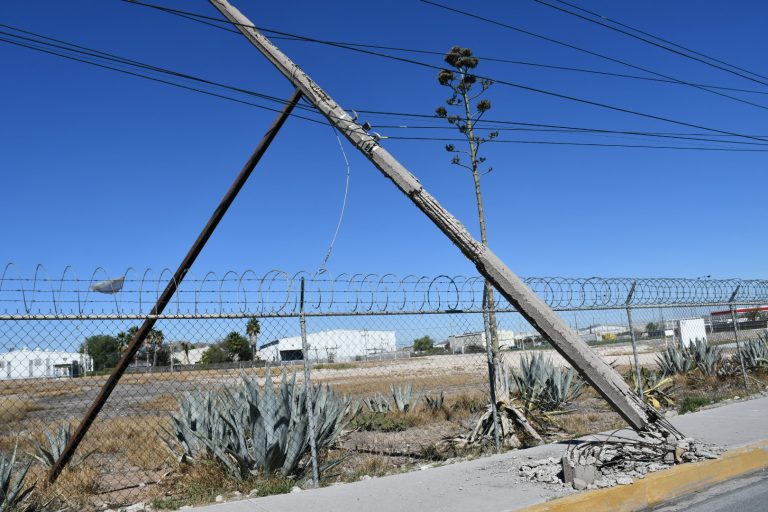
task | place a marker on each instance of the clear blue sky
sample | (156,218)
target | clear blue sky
(103,169)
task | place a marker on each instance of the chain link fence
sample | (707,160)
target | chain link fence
(394,370)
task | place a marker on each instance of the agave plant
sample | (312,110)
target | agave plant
(50,449)
(198,425)
(560,389)
(250,429)
(13,492)
(708,358)
(656,386)
(675,360)
(543,386)
(435,403)
(754,353)
(377,403)
(402,396)
(529,383)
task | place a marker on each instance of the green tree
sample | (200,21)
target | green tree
(466,110)
(104,349)
(154,342)
(237,347)
(253,328)
(651,327)
(423,344)
(124,337)
(214,355)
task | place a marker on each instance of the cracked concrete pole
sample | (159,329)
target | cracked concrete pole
(589,365)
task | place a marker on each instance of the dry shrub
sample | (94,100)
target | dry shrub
(74,489)
(465,405)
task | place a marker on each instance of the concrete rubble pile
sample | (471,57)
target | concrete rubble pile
(615,460)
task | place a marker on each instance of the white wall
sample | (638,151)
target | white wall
(337,344)
(36,364)
(691,330)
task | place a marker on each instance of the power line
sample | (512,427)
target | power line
(159,80)
(615,22)
(68,46)
(430,66)
(192,17)
(648,41)
(546,128)
(126,61)
(591,144)
(589,52)
(91,52)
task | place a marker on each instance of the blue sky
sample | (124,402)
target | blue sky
(102,169)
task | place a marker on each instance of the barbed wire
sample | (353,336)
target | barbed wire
(277,293)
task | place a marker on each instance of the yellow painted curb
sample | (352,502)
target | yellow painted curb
(663,485)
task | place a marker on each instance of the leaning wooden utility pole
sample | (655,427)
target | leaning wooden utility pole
(170,289)
(599,374)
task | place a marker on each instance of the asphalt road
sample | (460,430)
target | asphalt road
(746,494)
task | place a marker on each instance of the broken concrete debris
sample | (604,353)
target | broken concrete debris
(615,460)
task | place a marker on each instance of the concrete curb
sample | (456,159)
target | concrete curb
(664,485)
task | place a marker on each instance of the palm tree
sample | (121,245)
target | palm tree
(124,339)
(253,328)
(155,340)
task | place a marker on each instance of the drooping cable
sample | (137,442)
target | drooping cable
(324,265)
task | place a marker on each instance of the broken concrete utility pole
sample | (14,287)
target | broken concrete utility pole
(601,376)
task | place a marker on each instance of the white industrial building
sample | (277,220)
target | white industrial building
(458,343)
(336,345)
(39,364)
(190,356)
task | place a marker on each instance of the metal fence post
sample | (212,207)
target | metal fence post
(736,336)
(638,373)
(491,375)
(308,391)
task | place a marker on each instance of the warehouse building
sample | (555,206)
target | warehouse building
(40,364)
(336,345)
(458,343)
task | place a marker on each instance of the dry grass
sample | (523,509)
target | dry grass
(360,465)
(421,384)
(201,483)
(137,440)
(577,424)
(161,403)
(16,409)
(75,488)
(40,387)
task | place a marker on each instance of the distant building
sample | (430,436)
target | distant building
(601,329)
(458,343)
(743,315)
(336,345)
(191,356)
(40,364)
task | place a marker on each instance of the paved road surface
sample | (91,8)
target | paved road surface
(746,494)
